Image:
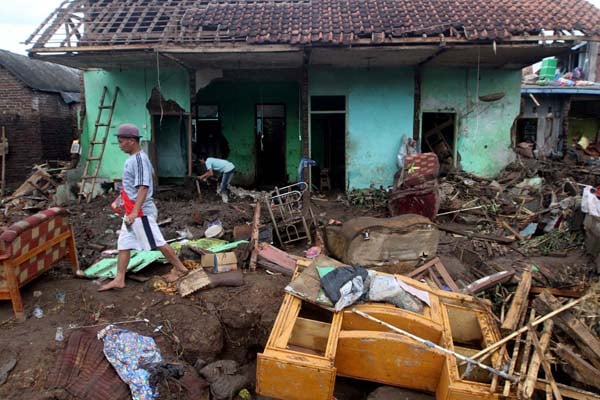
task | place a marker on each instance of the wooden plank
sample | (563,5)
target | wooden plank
(464,231)
(545,364)
(388,358)
(519,303)
(587,342)
(557,292)
(487,281)
(276,256)
(538,321)
(293,380)
(310,334)
(526,353)
(534,365)
(569,391)
(589,374)
(514,358)
(254,241)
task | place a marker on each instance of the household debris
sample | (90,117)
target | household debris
(404,240)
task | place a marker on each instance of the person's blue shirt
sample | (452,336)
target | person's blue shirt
(219,165)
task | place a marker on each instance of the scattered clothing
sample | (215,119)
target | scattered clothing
(128,352)
(344,285)
(590,203)
(84,372)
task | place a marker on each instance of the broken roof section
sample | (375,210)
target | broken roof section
(42,75)
(112,22)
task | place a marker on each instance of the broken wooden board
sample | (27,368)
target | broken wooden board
(274,259)
(437,272)
(368,241)
(195,280)
(464,230)
(585,372)
(487,281)
(519,303)
(587,342)
(107,267)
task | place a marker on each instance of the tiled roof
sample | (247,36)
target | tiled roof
(115,22)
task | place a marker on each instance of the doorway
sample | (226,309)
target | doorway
(170,152)
(328,140)
(439,136)
(207,136)
(270,145)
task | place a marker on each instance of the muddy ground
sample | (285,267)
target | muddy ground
(220,323)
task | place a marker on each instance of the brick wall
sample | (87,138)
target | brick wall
(21,123)
(27,117)
(56,126)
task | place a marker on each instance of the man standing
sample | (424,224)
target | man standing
(224,167)
(139,230)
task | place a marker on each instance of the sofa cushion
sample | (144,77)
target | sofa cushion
(22,237)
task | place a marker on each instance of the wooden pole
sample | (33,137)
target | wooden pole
(255,223)
(526,327)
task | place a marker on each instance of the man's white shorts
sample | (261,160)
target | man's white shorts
(142,234)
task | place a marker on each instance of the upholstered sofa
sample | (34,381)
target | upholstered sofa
(30,247)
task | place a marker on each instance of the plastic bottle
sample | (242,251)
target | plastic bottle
(60,336)
(38,312)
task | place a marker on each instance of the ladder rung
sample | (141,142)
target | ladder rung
(93,158)
(96,142)
(104,107)
(101,124)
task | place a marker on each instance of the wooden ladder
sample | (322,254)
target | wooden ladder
(97,145)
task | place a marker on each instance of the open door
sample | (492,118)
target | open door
(270,145)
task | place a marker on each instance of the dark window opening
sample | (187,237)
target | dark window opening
(439,136)
(526,130)
(328,103)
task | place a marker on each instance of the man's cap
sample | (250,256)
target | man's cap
(128,131)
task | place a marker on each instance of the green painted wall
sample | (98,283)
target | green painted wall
(135,89)
(582,126)
(237,103)
(379,112)
(484,142)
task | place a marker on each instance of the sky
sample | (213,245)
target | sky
(19,18)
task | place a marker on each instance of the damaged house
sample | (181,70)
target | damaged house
(38,112)
(557,112)
(266,83)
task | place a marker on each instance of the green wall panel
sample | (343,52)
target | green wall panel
(237,103)
(135,89)
(484,141)
(379,112)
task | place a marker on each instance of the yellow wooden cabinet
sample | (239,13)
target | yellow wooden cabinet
(309,346)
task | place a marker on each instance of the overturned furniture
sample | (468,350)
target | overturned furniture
(31,247)
(405,239)
(415,189)
(291,218)
(309,346)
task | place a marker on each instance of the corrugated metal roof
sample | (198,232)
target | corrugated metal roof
(41,75)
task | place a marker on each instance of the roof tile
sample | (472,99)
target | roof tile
(332,21)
